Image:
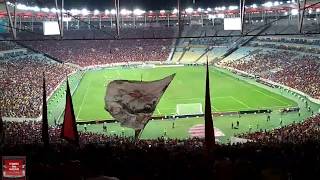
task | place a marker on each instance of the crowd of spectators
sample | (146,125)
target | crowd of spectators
(101,52)
(21,83)
(293,133)
(300,72)
(289,47)
(161,158)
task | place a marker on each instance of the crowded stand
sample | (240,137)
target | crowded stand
(100,155)
(21,83)
(294,133)
(300,72)
(101,52)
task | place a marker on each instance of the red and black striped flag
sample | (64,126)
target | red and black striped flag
(45,133)
(69,127)
(209,130)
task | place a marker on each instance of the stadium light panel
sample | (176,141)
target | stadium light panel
(124,12)
(254,6)
(294,12)
(138,12)
(233,7)
(75,11)
(162,11)
(84,12)
(96,12)
(106,12)
(113,11)
(53,10)
(199,10)
(317,10)
(209,9)
(276,3)
(175,11)
(268,4)
(36,8)
(45,10)
(189,10)
(22,7)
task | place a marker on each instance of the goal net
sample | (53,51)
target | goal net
(189,109)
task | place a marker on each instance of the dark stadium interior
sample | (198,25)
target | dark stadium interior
(275,47)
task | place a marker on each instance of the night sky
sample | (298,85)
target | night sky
(142,4)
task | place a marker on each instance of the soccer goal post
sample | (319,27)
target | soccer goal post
(189,109)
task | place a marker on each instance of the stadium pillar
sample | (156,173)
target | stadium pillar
(99,21)
(78,24)
(134,21)
(15,17)
(10,19)
(61,14)
(89,22)
(302,15)
(57,16)
(32,21)
(168,20)
(111,21)
(145,20)
(20,24)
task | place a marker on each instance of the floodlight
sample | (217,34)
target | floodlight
(268,4)
(199,10)
(189,10)
(254,6)
(96,12)
(113,11)
(22,7)
(162,11)
(276,3)
(84,12)
(294,12)
(209,9)
(54,10)
(45,10)
(106,12)
(175,11)
(36,8)
(138,12)
(233,7)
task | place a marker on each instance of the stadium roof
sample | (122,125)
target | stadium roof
(132,4)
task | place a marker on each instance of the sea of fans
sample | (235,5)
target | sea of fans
(295,155)
(21,83)
(300,72)
(101,52)
(294,133)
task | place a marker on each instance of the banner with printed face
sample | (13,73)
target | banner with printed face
(132,103)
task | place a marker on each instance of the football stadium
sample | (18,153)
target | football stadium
(144,89)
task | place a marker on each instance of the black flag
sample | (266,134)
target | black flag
(209,130)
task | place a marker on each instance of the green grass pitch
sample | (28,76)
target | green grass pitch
(227,92)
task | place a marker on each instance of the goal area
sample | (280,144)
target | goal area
(189,109)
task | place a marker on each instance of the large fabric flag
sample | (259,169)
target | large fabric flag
(209,131)
(132,103)
(45,134)
(69,127)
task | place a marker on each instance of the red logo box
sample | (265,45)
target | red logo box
(13,168)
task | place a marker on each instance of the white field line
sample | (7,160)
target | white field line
(283,102)
(83,100)
(239,101)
